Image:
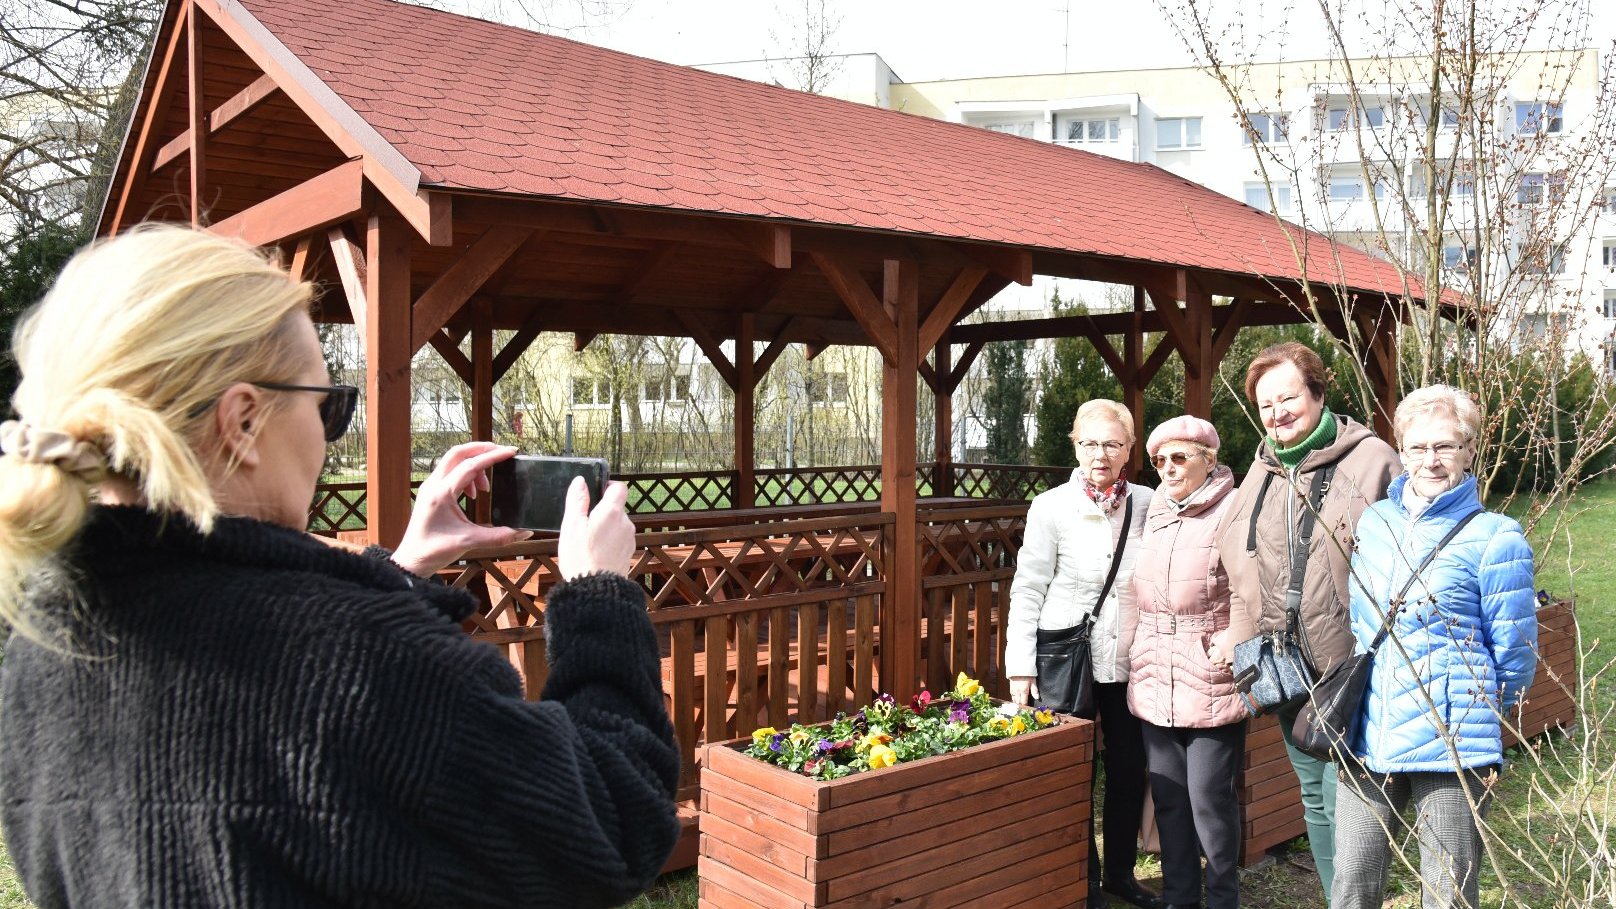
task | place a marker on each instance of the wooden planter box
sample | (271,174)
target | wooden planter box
(1001,825)
(1550,703)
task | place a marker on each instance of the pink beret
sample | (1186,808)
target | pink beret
(1182,429)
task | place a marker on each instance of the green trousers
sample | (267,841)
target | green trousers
(1318,805)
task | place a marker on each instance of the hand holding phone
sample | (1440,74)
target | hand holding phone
(531,492)
(439,531)
(598,540)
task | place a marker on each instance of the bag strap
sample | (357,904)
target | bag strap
(1116,558)
(1256,509)
(1310,516)
(1397,601)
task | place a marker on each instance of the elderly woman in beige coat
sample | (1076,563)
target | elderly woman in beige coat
(1179,681)
(1071,539)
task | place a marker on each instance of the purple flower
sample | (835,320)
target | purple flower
(885,698)
(825,746)
(959,712)
(777,742)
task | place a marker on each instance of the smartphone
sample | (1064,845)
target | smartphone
(529,492)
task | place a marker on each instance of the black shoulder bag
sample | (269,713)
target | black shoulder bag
(1065,674)
(1270,671)
(1324,726)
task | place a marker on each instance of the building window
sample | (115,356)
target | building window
(588,391)
(829,388)
(1269,128)
(1022,128)
(1540,189)
(1610,304)
(1341,118)
(1608,255)
(1533,117)
(1258,197)
(1101,130)
(1178,132)
(1610,200)
(666,389)
(1346,189)
(1543,260)
(1458,258)
(1447,118)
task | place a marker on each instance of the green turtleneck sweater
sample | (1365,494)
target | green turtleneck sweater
(1322,435)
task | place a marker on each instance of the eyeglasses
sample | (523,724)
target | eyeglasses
(1109,446)
(1443,451)
(336,407)
(1179,459)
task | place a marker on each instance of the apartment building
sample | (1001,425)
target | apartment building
(1338,151)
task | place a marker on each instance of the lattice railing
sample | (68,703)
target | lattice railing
(967,561)
(683,491)
(818,485)
(337,506)
(790,605)
(1006,481)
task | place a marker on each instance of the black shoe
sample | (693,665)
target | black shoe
(1097,899)
(1131,891)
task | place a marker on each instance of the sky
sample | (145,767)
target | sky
(943,39)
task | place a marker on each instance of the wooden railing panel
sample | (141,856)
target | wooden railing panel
(968,559)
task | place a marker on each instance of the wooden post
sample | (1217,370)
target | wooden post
(1133,384)
(482,390)
(943,410)
(387,377)
(745,412)
(198,119)
(1381,366)
(1198,366)
(900,620)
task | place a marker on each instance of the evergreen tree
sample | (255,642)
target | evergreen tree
(25,275)
(1074,373)
(1004,405)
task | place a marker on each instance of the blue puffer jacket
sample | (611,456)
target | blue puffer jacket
(1468,631)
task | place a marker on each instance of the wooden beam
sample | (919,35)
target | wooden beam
(518,343)
(464,277)
(1114,323)
(239,105)
(581,339)
(1011,264)
(769,242)
(712,349)
(942,417)
(1102,346)
(197,113)
(387,378)
(300,259)
(900,607)
(869,312)
(746,378)
(156,114)
(1134,379)
(1172,318)
(1234,319)
(777,346)
(1153,363)
(456,360)
(949,305)
(813,349)
(968,357)
(350,262)
(315,204)
(482,390)
(930,375)
(1198,364)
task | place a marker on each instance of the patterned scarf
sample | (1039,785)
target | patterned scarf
(1110,497)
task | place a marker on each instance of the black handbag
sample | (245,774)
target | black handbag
(1323,727)
(1271,672)
(1065,674)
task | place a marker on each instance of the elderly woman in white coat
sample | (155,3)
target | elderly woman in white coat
(1071,538)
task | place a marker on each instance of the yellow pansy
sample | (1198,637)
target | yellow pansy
(1018,726)
(873,740)
(882,756)
(1044,717)
(998,724)
(762,735)
(799,736)
(965,686)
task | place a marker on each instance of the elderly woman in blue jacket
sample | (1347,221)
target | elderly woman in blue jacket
(1462,651)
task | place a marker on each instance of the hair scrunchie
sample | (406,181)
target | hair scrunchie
(35,445)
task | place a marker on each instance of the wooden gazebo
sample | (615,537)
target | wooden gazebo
(454,178)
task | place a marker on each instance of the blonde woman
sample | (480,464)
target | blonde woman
(1074,532)
(206,706)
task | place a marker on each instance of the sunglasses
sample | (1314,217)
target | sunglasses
(336,406)
(1179,459)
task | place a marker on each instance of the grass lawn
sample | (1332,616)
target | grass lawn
(1573,781)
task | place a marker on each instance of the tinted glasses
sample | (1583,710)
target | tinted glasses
(1179,458)
(336,407)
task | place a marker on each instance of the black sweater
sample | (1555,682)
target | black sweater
(254,718)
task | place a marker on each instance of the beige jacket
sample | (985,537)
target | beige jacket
(1259,576)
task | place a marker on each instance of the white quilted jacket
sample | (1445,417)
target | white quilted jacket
(1062,566)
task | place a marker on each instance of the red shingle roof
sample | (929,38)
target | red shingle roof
(479,106)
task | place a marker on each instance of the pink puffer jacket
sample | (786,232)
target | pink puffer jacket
(1182,594)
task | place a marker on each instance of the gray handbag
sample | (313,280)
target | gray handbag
(1270,670)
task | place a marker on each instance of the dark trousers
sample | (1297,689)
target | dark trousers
(1124,762)
(1192,777)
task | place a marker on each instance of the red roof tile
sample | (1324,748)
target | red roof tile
(482,106)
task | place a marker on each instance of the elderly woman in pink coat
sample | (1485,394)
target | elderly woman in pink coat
(1180,684)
